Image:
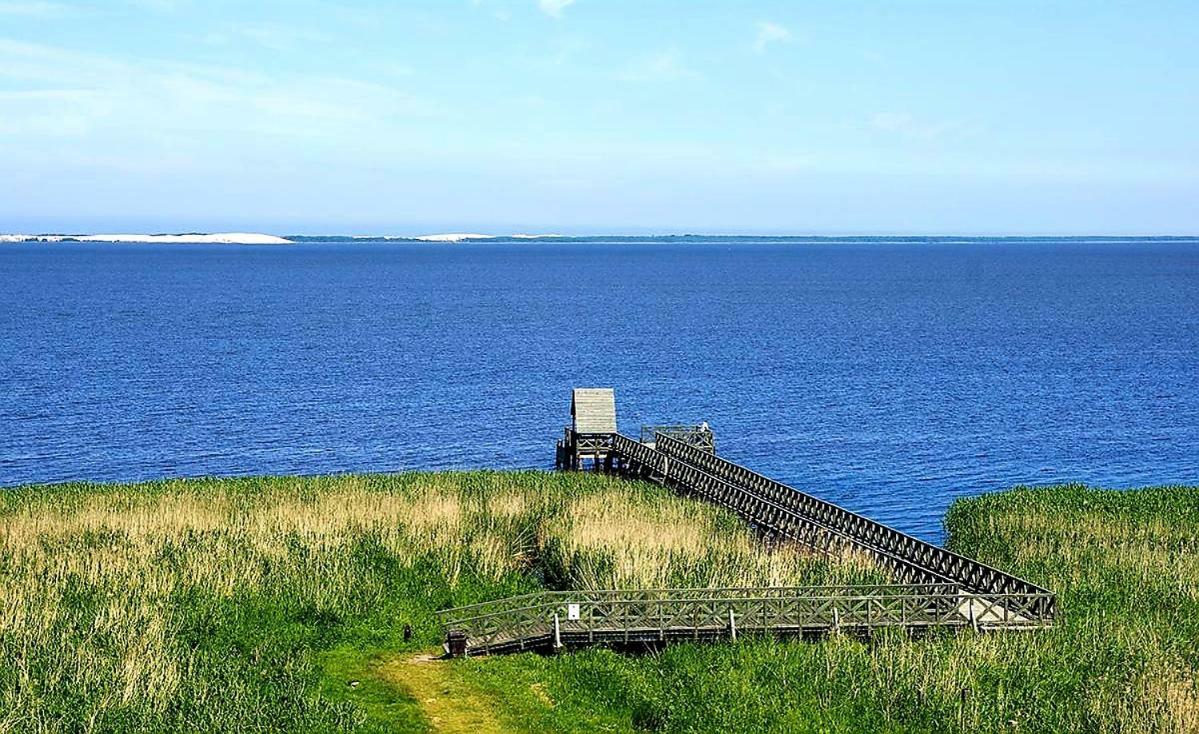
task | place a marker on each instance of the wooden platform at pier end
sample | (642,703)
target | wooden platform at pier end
(587,441)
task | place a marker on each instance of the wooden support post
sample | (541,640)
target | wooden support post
(557,633)
(732,625)
(455,644)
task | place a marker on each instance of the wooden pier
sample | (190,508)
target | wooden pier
(935,588)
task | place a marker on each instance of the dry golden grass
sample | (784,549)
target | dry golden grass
(609,541)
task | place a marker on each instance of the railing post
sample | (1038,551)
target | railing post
(455,643)
(557,633)
(732,625)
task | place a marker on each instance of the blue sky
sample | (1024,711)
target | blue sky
(596,116)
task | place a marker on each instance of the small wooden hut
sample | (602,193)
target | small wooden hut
(587,442)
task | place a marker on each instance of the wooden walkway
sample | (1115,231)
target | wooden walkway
(556,619)
(779,509)
(935,588)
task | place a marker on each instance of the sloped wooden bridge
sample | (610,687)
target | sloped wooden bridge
(935,588)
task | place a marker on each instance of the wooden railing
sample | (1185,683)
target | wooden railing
(554,619)
(768,513)
(920,560)
(701,437)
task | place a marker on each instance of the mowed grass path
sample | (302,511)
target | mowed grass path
(279,605)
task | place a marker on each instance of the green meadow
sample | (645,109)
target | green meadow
(280,604)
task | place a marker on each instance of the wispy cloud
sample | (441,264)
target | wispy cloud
(502,13)
(664,66)
(787,163)
(48,112)
(554,8)
(565,49)
(397,70)
(907,125)
(159,6)
(34,9)
(271,36)
(103,95)
(768,33)
(891,121)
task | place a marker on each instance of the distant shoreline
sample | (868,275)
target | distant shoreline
(187,238)
(247,238)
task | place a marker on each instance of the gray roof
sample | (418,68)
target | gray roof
(593,410)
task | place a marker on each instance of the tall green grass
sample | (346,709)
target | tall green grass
(250,603)
(271,605)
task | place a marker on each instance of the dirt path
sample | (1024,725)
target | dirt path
(448,705)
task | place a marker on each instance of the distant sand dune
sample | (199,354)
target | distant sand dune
(225,238)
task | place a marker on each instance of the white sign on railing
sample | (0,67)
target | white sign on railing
(572,611)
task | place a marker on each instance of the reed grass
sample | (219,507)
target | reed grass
(271,604)
(206,604)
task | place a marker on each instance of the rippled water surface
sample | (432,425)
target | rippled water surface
(888,377)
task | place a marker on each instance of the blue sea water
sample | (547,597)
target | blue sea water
(887,376)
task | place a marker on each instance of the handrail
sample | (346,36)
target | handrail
(731,592)
(698,434)
(647,615)
(769,513)
(867,533)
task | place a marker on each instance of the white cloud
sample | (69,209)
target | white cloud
(554,8)
(397,70)
(502,14)
(906,125)
(891,121)
(271,36)
(769,33)
(34,9)
(665,66)
(48,112)
(158,6)
(105,96)
(787,163)
(565,49)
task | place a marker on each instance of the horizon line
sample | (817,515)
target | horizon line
(642,235)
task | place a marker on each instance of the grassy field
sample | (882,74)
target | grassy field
(279,605)
(255,603)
